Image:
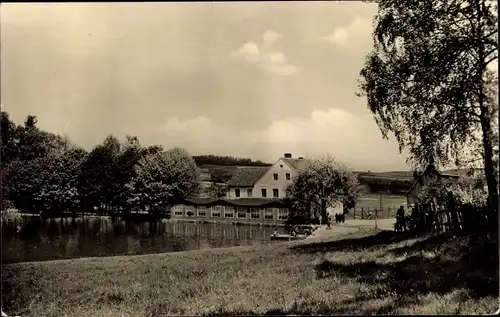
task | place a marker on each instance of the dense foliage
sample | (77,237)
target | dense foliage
(323,183)
(428,81)
(468,189)
(42,171)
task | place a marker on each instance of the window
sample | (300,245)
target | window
(202,211)
(229,212)
(264,192)
(283,214)
(255,214)
(275,193)
(237,192)
(216,211)
(242,212)
(275,176)
(287,175)
(179,210)
(190,211)
(249,192)
(268,213)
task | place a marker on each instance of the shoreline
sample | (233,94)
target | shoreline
(166,220)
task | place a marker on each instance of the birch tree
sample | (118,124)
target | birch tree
(427,79)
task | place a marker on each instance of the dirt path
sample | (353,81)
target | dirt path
(351,226)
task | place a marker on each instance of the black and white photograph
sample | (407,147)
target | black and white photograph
(249,158)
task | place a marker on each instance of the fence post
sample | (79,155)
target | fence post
(453,211)
(362,213)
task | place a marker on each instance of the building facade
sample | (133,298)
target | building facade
(265,182)
(244,210)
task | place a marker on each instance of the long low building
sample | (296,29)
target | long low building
(245,210)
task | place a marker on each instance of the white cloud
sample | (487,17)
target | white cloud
(273,62)
(276,63)
(249,51)
(331,131)
(358,31)
(270,37)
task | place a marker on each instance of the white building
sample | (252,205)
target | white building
(265,182)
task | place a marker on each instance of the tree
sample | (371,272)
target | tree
(427,79)
(10,139)
(323,183)
(124,170)
(23,179)
(97,174)
(163,177)
(59,190)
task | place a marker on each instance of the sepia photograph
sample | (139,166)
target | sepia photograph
(249,158)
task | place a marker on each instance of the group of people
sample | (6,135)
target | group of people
(400,219)
(404,223)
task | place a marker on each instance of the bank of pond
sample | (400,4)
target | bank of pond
(32,238)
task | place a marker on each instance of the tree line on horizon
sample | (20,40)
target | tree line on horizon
(43,171)
(46,171)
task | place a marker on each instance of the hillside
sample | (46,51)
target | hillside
(395,182)
(216,160)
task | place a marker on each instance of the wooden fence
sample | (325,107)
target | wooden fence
(438,218)
(370,213)
(455,217)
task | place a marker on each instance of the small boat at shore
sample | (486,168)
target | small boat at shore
(288,237)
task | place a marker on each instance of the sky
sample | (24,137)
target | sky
(254,79)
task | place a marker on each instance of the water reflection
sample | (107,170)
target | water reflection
(61,238)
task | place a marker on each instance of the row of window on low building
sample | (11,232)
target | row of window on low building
(231,212)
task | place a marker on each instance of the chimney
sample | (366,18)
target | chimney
(288,155)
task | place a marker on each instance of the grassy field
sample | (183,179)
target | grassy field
(370,202)
(363,273)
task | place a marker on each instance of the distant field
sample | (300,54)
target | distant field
(370,202)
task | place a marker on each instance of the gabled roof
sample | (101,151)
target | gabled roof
(429,170)
(295,163)
(247,176)
(219,171)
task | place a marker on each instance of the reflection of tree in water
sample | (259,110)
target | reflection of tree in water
(72,246)
(133,245)
(48,239)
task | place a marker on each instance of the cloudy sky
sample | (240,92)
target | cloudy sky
(243,79)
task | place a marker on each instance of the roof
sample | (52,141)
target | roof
(205,175)
(199,201)
(428,170)
(225,173)
(253,201)
(295,163)
(247,202)
(247,176)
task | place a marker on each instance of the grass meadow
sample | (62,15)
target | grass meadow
(368,272)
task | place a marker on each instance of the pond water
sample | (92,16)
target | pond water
(36,239)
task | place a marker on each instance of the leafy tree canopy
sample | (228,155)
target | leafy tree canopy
(323,183)
(427,79)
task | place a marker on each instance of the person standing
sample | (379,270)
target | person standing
(400,215)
